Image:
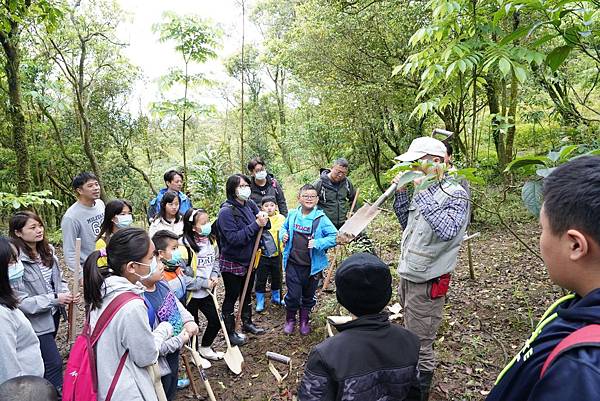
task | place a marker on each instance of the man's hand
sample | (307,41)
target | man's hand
(262,219)
(396,179)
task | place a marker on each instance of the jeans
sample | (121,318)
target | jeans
(52,360)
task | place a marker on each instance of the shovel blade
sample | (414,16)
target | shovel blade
(234,359)
(357,223)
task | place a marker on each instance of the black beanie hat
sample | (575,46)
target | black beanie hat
(363,284)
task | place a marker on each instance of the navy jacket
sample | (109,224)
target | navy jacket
(370,359)
(574,375)
(237,231)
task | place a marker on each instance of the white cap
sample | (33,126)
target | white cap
(422,146)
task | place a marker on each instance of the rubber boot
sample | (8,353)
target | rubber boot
(276,297)
(425,378)
(247,325)
(304,322)
(235,338)
(290,322)
(260,302)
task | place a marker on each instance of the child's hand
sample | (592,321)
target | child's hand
(285,238)
(191,328)
(185,336)
(311,244)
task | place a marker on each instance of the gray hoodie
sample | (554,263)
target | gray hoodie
(20,347)
(34,300)
(208,268)
(128,330)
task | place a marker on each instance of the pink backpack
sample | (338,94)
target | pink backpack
(81,379)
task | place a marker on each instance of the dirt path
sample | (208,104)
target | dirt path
(486,321)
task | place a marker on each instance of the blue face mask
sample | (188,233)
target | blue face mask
(15,270)
(124,220)
(175,258)
(206,229)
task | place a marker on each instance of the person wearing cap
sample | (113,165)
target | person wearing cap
(434,221)
(370,358)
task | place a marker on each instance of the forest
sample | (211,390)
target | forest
(516,81)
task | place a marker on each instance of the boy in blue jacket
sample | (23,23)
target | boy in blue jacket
(307,234)
(570,247)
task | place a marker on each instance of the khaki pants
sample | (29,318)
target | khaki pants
(422,316)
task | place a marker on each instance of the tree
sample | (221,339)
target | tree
(194,41)
(14,16)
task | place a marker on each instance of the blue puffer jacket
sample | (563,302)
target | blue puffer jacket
(574,375)
(370,359)
(185,203)
(324,236)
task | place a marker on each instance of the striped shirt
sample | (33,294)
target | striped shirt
(232,267)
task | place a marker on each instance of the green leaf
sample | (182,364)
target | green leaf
(567,151)
(409,177)
(16,204)
(557,56)
(520,74)
(532,196)
(545,172)
(504,66)
(526,161)
(553,156)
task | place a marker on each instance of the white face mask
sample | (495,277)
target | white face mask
(261,175)
(153,266)
(243,193)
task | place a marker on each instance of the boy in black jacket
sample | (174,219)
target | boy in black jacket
(370,359)
(558,362)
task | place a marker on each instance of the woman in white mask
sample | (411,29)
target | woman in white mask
(238,224)
(42,292)
(20,346)
(127,338)
(263,183)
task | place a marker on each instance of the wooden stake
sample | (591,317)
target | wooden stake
(72,332)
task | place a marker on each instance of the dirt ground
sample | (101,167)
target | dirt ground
(486,321)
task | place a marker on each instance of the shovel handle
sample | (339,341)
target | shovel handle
(384,196)
(238,318)
(444,132)
(274,356)
(225,334)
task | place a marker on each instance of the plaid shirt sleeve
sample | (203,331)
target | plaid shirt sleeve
(446,219)
(401,207)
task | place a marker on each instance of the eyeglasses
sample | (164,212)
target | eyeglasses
(309,196)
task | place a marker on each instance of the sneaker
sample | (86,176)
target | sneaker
(183,383)
(209,353)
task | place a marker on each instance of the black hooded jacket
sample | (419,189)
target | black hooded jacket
(370,359)
(335,198)
(272,188)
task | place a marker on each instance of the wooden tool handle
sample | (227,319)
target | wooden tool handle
(384,196)
(274,356)
(444,132)
(238,318)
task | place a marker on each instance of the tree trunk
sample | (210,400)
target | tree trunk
(184,121)
(242,158)
(84,123)
(10,45)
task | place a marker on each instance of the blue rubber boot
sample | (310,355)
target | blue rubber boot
(260,302)
(276,297)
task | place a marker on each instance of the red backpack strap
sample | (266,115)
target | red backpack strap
(584,337)
(113,383)
(110,311)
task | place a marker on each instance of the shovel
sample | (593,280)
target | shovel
(286,360)
(361,219)
(198,362)
(233,357)
(253,263)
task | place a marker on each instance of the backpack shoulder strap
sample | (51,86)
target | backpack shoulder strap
(587,336)
(315,224)
(109,313)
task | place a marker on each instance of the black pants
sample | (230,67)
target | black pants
(268,267)
(301,287)
(208,309)
(169,381)
(234,285)
(51,356)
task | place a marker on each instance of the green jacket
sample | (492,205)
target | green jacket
(335,200)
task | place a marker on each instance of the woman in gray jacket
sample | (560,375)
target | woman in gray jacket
(42,292)
(20,347)
(131,258)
